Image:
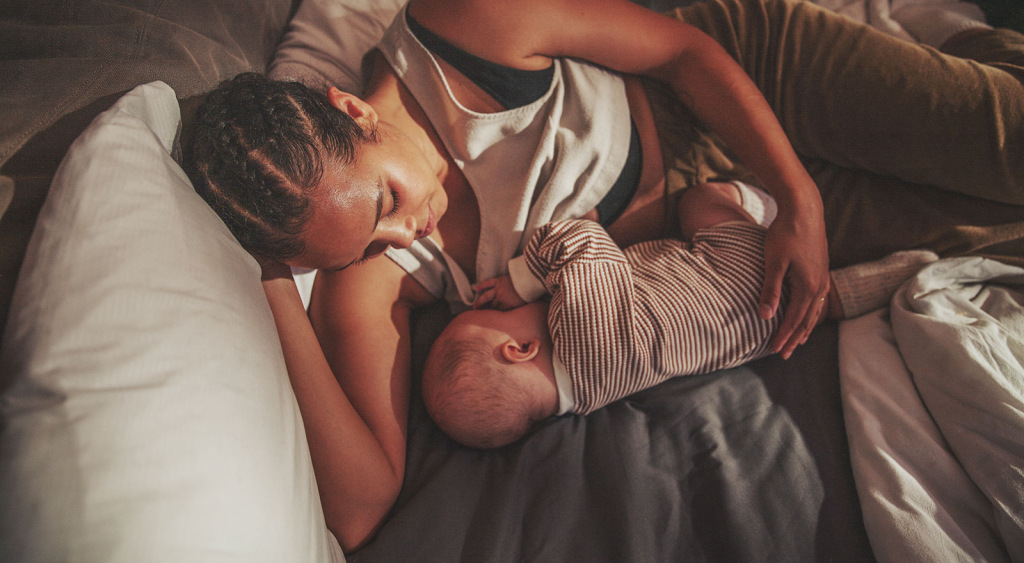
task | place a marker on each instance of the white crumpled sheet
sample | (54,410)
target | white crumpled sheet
(933,398)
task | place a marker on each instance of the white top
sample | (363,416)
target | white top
(562,152)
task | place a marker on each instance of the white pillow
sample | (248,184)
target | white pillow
(151,418)
(326,41)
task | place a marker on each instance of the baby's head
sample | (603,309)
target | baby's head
(489,379)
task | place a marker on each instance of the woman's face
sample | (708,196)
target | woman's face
(387,196)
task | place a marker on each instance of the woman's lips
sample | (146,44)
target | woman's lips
(431,224)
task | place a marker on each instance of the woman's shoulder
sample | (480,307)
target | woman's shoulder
(377,283)
(497,31)
(617,34)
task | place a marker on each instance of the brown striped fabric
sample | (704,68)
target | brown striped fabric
(625,320)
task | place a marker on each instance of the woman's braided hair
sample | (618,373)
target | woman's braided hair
(257,150)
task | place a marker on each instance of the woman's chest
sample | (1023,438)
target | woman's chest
(458,231)
(461,231)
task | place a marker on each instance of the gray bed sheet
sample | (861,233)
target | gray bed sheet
(746,464)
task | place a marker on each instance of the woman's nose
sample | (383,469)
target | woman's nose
(403,234)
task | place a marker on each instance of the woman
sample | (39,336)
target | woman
(390,172)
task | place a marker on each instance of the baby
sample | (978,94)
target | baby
(619,321)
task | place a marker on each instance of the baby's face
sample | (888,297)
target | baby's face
(526,322)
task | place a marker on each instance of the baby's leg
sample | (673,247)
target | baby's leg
(713,203)
(709,204)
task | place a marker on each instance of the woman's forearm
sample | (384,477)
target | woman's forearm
(356,478)
(796,250)
(721,94)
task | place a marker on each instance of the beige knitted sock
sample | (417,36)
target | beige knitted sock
(862,288)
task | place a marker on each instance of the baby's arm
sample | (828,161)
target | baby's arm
(534,274)
(497,293)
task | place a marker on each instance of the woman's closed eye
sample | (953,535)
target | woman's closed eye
(394,208)
(376,248)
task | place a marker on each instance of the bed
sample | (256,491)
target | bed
(147,414)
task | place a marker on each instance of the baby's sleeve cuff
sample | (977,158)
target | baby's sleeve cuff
(563,383)
(527,285)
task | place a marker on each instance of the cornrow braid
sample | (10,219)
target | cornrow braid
(257,150)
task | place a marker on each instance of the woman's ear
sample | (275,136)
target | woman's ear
(516,352)
(352,105)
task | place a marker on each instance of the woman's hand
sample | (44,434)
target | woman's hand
(795,248)
(497,293)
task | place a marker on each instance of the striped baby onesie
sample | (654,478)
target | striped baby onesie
(625,320)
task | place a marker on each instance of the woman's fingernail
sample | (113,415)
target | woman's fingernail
(766,312)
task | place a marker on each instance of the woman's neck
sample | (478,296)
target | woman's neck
(396,106)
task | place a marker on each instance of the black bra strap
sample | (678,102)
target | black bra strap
(510,87)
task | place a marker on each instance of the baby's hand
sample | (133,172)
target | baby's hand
(497,293)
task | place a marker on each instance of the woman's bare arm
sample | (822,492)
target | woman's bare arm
(351,380)
(623,36)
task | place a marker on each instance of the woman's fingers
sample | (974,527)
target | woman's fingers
(801,322)
(800,317)
(771,291)
(807,297)
(797,254)
(788,336)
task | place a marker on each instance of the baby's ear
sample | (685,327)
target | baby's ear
(514,351)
